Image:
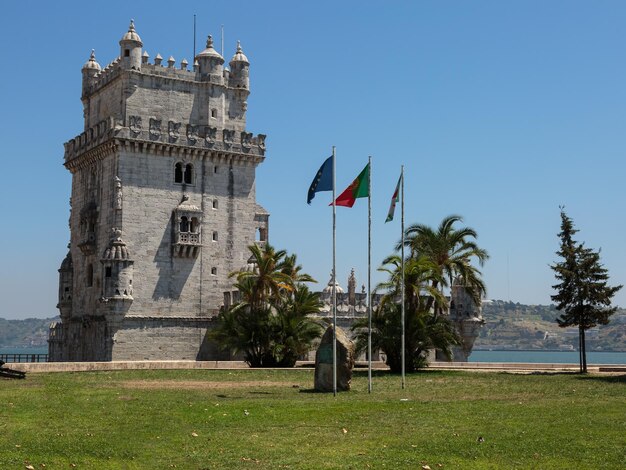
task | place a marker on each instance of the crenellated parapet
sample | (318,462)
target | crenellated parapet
(158,129)
(151,131)
(91,138)
(207,70)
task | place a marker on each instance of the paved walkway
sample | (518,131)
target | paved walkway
(34,367)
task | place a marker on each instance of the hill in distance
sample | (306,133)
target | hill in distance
(508,325)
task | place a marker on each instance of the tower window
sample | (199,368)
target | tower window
(183,173)
(214,236)
(194,225)
(213,271)
(214,169)
(107,271)
(126,53)
(178,173)
(214,113)
(215,203)
(184,224)
(188,173)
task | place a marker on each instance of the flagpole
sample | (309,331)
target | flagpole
(334,285)
(402,270)
(369,276)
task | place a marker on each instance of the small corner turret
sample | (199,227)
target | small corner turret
(66,286)
(90,70)
(211,63)
(130,49)
(239,70)
(118,270)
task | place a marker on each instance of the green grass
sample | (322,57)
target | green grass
(96,420)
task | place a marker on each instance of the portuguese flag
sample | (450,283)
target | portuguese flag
(358,188)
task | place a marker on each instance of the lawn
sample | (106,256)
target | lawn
(258,419)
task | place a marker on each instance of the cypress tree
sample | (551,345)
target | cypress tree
(583,294)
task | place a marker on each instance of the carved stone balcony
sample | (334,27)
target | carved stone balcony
(87,245)
(187,244)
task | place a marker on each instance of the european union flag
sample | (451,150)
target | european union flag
(323,180)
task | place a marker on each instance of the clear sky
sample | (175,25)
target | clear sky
(500,112)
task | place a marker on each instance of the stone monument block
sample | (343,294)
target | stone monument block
(324,362)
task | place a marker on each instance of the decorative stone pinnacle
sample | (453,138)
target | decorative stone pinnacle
(93,55)
(131,28)
(209,41)
(239,50)
(116,234)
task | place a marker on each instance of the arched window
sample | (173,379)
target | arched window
(178,173)
(184,224)
(188,173)
(194,225)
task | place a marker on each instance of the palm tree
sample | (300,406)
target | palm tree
(270,325)
(421,278)
(297,330)
(291,267)
(452,251)
(266,281)
(424,330)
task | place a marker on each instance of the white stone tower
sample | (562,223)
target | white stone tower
(163,205)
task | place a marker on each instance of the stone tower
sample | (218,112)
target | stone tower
(466,316)
(163,205)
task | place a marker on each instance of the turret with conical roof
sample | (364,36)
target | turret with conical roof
(240,70)
(211,62)
(90,70)
(130,49)
(118,270)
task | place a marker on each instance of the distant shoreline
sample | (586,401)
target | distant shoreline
(548,350)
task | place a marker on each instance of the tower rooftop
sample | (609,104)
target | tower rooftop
(239,55)
(209,51)
(91,63)
(131,35)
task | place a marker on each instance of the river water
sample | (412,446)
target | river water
(548,357)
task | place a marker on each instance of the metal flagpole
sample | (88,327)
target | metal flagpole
(194,39)
(402,271)
(334,286)
(369,276)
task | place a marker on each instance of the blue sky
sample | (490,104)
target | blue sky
(500,112)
